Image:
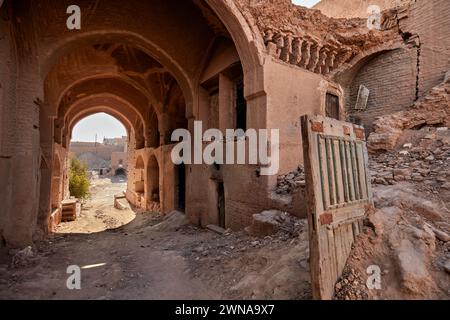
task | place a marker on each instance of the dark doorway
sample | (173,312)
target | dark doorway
(181,186)
(241,107)
(221,204)
(332,106)
(120,172)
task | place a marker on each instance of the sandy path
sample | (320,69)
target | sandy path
(128,262)
(98,213)
(122,256)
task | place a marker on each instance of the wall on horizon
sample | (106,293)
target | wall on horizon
(354,8)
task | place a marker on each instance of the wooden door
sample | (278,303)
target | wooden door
(338,195)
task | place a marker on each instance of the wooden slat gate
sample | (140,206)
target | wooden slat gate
(339,195)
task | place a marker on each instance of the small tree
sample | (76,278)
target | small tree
(78,179)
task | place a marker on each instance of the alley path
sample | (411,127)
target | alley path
(98,213)
(131,260)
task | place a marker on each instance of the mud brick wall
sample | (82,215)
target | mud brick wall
(391,79)
(396,79)
(430,20)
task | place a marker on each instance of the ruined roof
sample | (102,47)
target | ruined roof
(355,8)
(307,38)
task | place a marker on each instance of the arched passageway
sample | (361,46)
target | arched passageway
(152,71)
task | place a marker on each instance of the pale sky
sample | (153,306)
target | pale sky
(306,3)
(101,124)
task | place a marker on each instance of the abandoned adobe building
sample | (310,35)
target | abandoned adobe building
(161,65)
(107,155)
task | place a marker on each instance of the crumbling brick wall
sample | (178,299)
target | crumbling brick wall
(354,8)
(391,79)
(397,79)
(430,21)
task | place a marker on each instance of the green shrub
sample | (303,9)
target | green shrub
(78,179)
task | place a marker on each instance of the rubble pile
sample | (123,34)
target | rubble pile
(22,258)
(432,110)
(245,266)
(291,182)
(292,33)
(351,286)
(425,159)
(271,221)
(230,244)
(408,235)
(407,239)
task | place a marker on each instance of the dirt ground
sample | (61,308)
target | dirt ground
(97,212)
(123,256)
(133,254)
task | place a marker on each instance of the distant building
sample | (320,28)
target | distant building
(115,141)
(100,155)
(119,163)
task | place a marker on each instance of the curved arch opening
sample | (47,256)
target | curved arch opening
(368,96)
(153,83)
(100,141)
(139,179)
(153,181)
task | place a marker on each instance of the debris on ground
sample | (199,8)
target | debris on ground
(432,111)
(22,258)
(243,266)
(120,201)
(290,182)
(290,193)
(172,221)
(351,285)
(407,236)
(269,222)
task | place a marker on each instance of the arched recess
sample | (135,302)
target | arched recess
(57,181)
(370,76)
(170,49)
(94,110)
(246,37)
(182,62)
(139,181)
(153,190)
(107,87)
(108,103)
(90,38)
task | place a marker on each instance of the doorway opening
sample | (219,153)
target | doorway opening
(180,187)
(120,172)
(153,180)
(221,204)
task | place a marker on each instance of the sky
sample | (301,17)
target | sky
(101,124)
(306,3)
